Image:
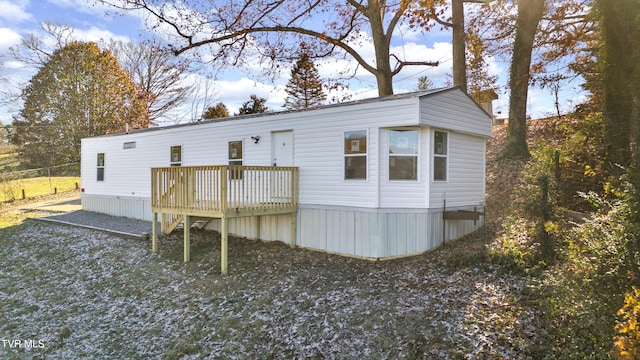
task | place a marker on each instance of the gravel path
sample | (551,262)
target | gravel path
(114,224)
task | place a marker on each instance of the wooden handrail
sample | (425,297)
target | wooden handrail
(223,188)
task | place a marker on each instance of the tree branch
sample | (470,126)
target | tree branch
(402,64)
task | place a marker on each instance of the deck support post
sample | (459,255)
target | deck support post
(224,245)
(154,233)
(187,238)
(294,219)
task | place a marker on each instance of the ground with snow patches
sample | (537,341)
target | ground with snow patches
(87,294)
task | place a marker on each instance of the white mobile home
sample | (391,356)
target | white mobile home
(373,178)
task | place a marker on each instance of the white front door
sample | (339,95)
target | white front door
(282,148)
(281,155)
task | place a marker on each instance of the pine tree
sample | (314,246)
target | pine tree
(304,89)
(424,83)
(214,112)
(254,106)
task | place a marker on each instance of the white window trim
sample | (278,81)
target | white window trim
(176,163)
(98,167)
(445,156)
(417,156)
(229,159)
(365,155)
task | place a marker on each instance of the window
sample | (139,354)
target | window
(101,167)
(129,145)
(355,155)
(403,154)
(235,158)
(440,156)
(176,156)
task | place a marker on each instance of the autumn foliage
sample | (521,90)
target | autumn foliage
(81,91)
(627,341)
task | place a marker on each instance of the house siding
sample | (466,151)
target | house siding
(452,110)
(318,151)
(466,177)
(377,233)
(372,218)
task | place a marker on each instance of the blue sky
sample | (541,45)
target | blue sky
(92,21)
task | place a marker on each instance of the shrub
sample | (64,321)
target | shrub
(627,341)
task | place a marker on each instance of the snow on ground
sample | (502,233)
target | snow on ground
(85,294)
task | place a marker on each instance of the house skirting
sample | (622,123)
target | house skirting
(352,231)
(127,206)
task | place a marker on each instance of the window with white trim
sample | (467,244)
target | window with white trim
(176,156)
(100,167)
(355,155)
(235,158)
(440,143)
(403,154)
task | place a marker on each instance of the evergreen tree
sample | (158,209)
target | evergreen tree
(254,106)
(304,89)
(214,112)
(424,83)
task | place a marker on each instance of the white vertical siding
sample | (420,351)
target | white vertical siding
(377,233)
(133,207)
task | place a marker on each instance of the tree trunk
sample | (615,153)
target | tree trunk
(381,44)
(529,15)
(620,131)
(459,41)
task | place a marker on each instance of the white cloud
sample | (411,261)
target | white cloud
(95,34)
(13,11)
(8,38)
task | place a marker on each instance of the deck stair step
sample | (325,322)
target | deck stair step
(199,222)
(171,223)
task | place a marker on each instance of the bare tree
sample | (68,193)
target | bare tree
(157,73)
(154,70)
(203,96)
(34,52)
(273,30)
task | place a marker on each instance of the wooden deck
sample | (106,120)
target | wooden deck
(182,193)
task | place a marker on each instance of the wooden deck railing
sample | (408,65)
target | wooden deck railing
(225,190)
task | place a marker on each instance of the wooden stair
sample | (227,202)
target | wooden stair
(170,222)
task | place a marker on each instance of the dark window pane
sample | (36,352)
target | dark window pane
(235,150)
(439,168)
(176,154)
(235,173)
(403,167)
(355,142)
(355,167)
(440,143)
(101,159)
(100,174)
